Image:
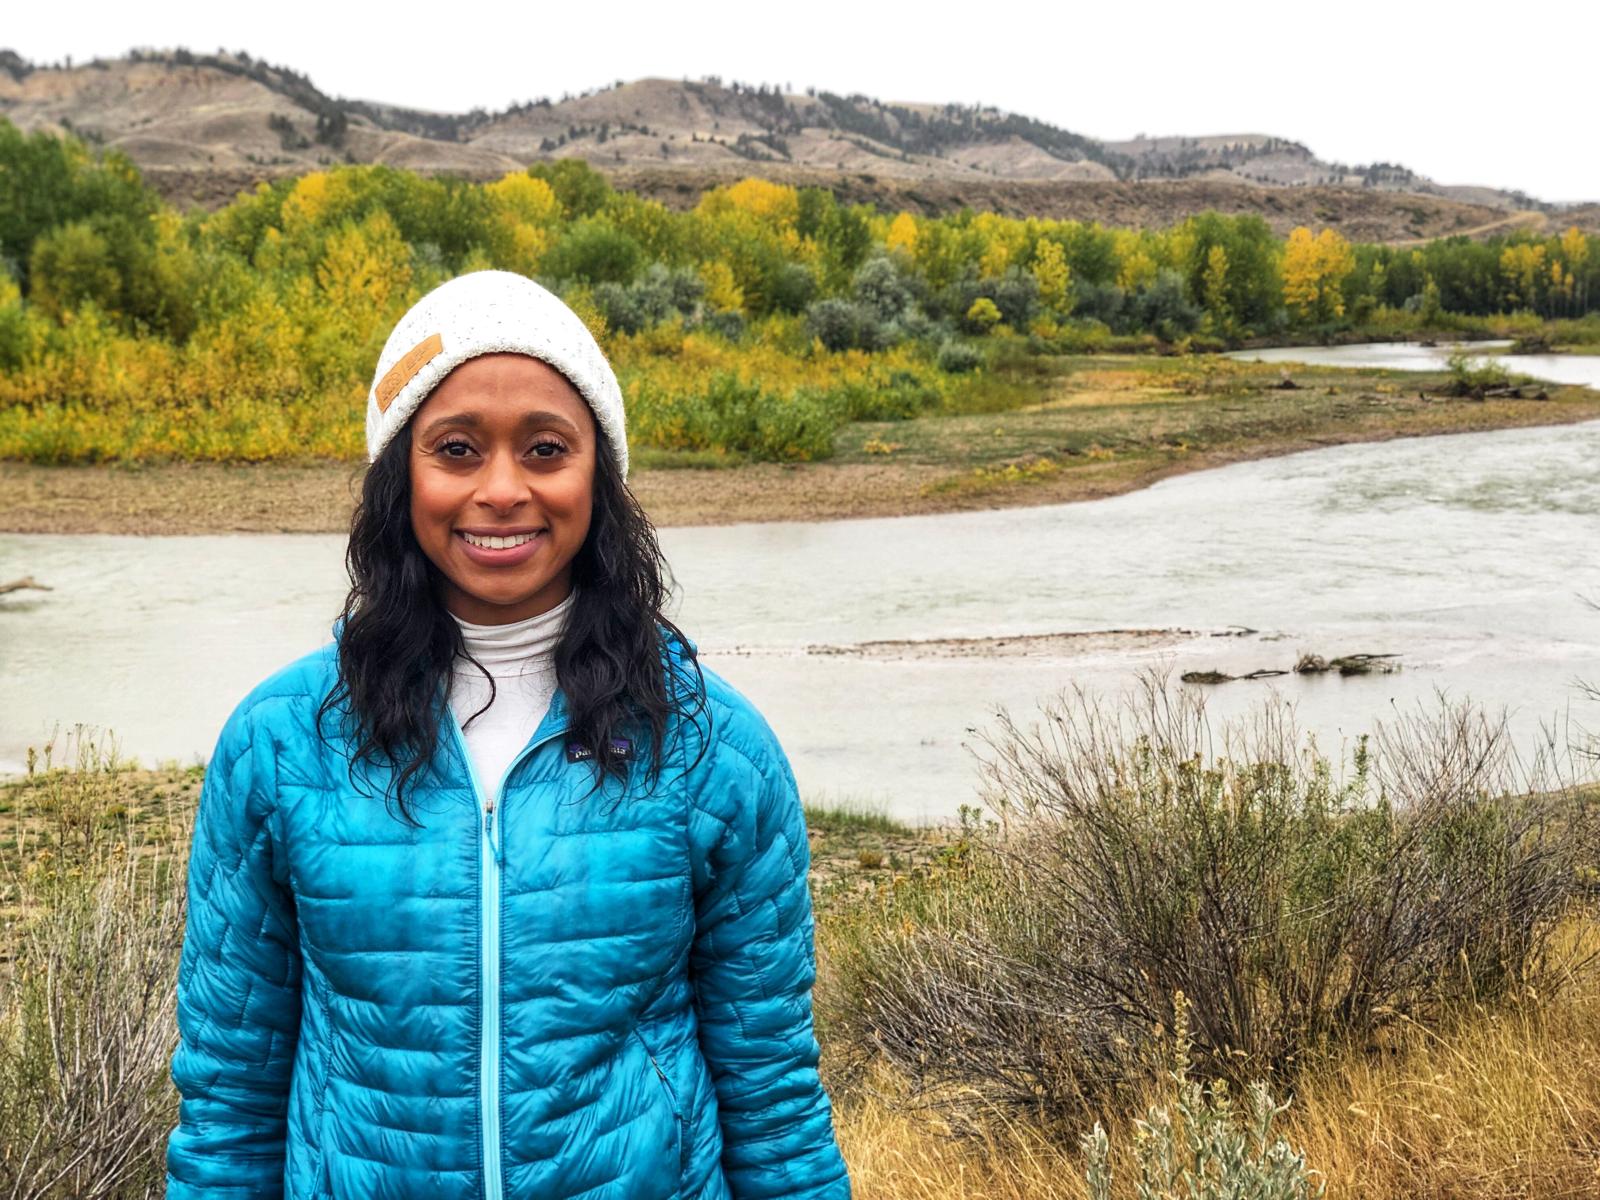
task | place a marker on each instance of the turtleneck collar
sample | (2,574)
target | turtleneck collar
(528,642)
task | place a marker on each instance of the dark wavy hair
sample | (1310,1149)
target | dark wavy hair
(399,642)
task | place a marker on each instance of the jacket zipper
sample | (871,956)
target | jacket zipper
(490,860)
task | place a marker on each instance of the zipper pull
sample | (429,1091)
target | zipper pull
(488,829)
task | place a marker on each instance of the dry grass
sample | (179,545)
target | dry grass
(1495,1102)
(1506,1103)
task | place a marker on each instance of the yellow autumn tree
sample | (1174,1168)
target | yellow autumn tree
(362,285)
(902,233)
(1575,250)
(308,200)
(1574,247)
(722,289)
(1054,275)
(526,211)
(1214,287)
(984,314)
(774,203)
(519,195)
(1002,239)
(1522,266)
(1314,270)
(1136,266)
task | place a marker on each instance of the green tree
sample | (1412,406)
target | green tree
(46,181)
(594,251)
(582,190)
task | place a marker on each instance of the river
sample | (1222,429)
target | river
(1582,370)
(1469,556)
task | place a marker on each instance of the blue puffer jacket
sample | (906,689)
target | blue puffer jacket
(603,996)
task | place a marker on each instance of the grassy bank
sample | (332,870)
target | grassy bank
(1031,430)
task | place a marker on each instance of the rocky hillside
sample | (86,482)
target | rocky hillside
(203,126)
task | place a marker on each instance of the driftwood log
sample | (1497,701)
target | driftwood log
(17,585)
(1309,664)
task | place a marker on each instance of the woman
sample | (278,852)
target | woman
(499,895)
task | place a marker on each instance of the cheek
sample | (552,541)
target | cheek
(432,509)
(575,501)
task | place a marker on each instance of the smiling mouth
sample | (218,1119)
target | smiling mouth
(499,543)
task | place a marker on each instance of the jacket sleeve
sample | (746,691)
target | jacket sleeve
(238,985)
(753,963)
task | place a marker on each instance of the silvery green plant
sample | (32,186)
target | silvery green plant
(1212,1150)
(1221,1153)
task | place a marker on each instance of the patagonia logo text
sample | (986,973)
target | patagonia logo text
(404,371)
(617,748)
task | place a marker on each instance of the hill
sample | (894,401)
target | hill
(204,126)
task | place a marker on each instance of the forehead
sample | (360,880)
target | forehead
(507,370)
(504,382)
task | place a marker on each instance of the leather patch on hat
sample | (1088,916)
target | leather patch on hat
(404,371)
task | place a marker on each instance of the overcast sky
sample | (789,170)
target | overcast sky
(1504,99)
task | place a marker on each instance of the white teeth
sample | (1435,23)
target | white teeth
(499,543)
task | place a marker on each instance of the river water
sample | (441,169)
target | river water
(1582,370)
(1469,556)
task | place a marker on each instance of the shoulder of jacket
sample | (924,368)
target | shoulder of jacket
(743,760)
(739,728)
(305,680)
(284,703)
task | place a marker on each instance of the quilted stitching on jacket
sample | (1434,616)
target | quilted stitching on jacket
(329,995)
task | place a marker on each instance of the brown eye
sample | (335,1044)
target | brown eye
(451,448)
(553,446)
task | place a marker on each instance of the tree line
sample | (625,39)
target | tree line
(111,298)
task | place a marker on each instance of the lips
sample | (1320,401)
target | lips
(501,549)
(505,542)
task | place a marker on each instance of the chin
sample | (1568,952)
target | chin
(505,599)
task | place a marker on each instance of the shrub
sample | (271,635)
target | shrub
(731,414)
(1012,298)
(1299,909)
(655,296)
(880,289)
(1470,377)
(1102,302)
(595,252)
(982,316)
(791,288)
(728,325)
(88,1018)
(1195,1148)
(1165,307)
(847,325)
(959,357)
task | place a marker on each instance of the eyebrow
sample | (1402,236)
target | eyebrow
(473,421)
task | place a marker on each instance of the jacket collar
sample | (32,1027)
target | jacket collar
(679,652)
(676,650)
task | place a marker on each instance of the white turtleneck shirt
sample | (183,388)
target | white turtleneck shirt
(520,656)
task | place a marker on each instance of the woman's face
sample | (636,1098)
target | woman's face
(502,485)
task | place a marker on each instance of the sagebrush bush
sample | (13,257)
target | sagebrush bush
(1200,1145)
(1143,853)
(88,1016)
(957,357)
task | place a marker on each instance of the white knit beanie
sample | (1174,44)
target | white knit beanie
(481,313)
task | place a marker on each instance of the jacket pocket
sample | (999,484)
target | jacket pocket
(670,1095)
(322,1178)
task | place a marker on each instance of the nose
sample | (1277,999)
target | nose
(501,485)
